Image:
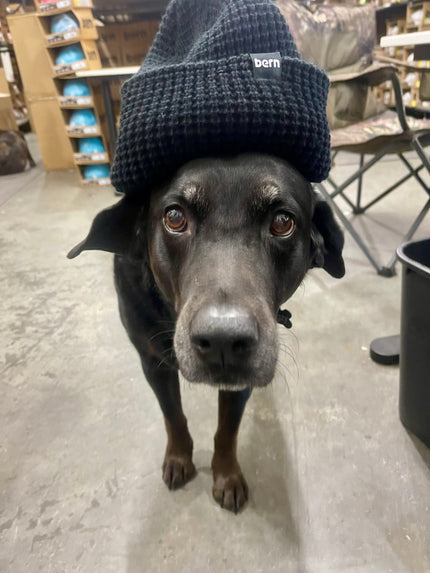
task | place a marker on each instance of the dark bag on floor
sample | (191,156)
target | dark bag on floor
(14,153)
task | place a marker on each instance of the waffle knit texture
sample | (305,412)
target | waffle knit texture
(197,95)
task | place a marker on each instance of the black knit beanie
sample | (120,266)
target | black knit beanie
(222,77)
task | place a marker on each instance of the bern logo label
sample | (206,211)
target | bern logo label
(267,66)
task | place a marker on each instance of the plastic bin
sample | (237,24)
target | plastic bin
(414,402)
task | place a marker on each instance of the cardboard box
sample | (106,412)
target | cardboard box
(7,117)
(88,158)
(4,85)
(136,39)
(34,63)
(73,102)
(87,28)
(81,131)
(90,62)
(100,107)
(126,44)
(101,182)
(54,144)
(109,45)
(61,6)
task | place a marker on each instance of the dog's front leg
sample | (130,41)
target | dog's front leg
(178,467)
(230,489)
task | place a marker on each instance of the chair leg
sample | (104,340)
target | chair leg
(416,144)
(389,269)
(353,177)
(412,229)
(357,209)
(415,172)
(381,270)
(341,193)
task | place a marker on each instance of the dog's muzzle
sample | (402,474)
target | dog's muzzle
(223,337)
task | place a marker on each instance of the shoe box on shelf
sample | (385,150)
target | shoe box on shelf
(84,129)
(70,36)
(63,40)
(59,6)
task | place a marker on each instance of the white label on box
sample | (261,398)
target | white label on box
(64,69)
(55,5)
(47,7)
(54,39)
(70,35)
(91,157)
(64,100)
(91,129)
(79,65)
(101,181)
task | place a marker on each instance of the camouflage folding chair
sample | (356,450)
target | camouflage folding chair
(341,40)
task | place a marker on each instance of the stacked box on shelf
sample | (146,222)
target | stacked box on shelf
(70,33)
(7,116)
(70,36)
(85,57)
(395,26)
(49,7)
(392,28)
(41,95)
(418,16)
(69,100)
(86,29)
(126,44)
(84,129)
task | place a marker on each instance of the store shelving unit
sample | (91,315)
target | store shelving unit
(84,36)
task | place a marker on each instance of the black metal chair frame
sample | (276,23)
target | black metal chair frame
(408,135)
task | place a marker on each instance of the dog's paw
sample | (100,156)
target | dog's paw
(177,470)
(230,490)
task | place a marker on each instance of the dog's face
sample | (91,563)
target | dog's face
(228,241)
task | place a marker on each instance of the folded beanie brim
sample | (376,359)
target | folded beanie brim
(183,111)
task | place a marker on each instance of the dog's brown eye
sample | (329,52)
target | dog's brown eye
(175,220)
(283,225)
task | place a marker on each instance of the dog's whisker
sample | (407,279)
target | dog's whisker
(170,332)
(289,353)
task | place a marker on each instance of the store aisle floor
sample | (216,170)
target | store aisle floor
(337,485)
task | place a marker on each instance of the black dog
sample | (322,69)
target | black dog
(201,270)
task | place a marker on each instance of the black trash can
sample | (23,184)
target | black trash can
(414,402)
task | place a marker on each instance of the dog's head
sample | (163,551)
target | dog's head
(228,241)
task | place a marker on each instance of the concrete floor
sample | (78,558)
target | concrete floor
(337,484)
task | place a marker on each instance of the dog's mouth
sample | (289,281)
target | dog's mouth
(228,346)
(229,378)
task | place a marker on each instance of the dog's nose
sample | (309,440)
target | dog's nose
(223,335)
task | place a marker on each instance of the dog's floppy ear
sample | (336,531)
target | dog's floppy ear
(326,240)
(112,230)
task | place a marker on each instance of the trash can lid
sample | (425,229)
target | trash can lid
(416,256)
